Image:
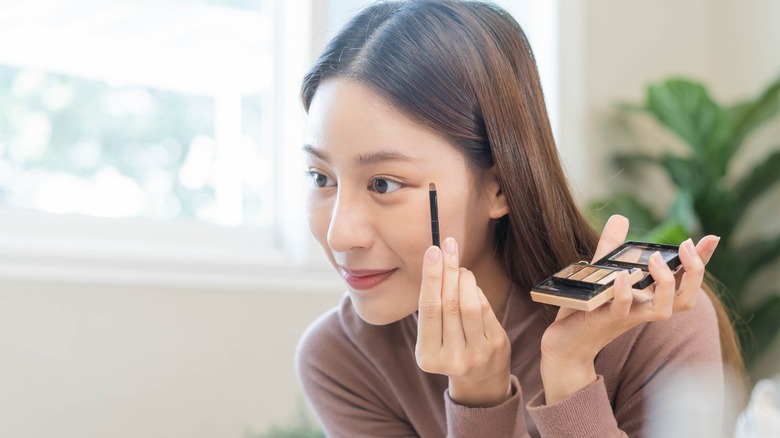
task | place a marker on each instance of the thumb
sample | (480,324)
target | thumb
(613,235)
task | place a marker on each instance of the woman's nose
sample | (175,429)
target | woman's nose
(349,226)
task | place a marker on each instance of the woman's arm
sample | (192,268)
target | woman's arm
(639,376)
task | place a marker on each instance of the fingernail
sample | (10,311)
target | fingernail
(688,245)
(624,279)
(434,254)
(656,257)
(450,246)
(462,269)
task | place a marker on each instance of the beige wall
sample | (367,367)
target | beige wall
(119,361)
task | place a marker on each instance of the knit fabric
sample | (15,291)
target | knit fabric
(363,380)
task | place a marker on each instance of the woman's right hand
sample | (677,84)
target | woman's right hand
(458,333)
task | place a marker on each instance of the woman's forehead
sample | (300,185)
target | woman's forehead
(347,118)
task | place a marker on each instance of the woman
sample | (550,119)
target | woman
(434,342)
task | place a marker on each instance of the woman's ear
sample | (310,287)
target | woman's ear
(497,203)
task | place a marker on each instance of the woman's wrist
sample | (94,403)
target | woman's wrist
(562,379)
(480,394)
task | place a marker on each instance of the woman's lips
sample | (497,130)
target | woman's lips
(365,279)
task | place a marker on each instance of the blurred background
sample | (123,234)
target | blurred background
(156,270)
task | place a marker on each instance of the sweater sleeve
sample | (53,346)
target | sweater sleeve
(586,413)
(637,374)
(505,420)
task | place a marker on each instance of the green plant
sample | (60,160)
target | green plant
(709,200)
(300,426)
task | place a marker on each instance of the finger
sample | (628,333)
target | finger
(613,235)
(663,301)
(452,327)
(492,326)
(691,279)
(429,330)
(471,310)
(645,295)
(564,312)
(622,297)
(706,247)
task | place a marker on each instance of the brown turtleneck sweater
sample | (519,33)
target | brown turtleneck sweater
(363,381)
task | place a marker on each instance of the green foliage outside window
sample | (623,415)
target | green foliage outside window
(158,145)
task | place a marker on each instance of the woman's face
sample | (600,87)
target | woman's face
(368,205)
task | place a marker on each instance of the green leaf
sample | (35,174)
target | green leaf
(687,173)
(670,232)
(682,211)
(729,267)
(715,209)
(687,109)
(747,116)
(641,219)
(299,426)
(631,160)
(752,185)
(758,254)
(764,324)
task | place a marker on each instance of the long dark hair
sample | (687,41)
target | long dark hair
(466,70)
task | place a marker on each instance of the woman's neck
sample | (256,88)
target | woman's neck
(494,281)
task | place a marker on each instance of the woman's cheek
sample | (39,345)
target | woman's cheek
(318,216)
(417,236)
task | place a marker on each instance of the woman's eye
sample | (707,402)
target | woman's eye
(319,179)
(384,185)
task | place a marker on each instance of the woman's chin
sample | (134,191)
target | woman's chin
(378,314)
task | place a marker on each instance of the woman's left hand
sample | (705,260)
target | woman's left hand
(570,344)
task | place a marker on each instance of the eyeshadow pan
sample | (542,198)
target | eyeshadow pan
(640,255)
(569,270)
(632,254)
(606,279)
(583,273)
(668,255)
(592,278)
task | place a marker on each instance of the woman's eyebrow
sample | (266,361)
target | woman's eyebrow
(364,160)
(309,149)
(381,156)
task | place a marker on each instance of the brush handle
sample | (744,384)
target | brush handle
(434,217)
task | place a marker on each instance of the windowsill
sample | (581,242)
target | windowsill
(43,248)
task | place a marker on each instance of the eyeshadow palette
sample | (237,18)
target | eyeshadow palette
(585,286)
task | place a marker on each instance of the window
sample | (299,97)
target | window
(137,109)
(156,140)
